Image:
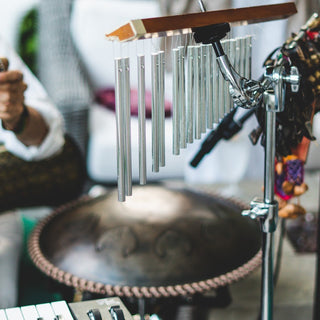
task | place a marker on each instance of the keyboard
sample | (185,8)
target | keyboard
(100,309)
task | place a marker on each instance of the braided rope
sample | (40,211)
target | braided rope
(82,284)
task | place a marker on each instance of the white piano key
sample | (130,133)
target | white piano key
(14,314)
(61,308)
(45,311)
(3,315)
(29,313)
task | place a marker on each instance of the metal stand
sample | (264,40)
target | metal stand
(267,210)
(316,299)
(247,93)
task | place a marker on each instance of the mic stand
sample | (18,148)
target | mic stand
(267,210)
(249,94)
(226,129)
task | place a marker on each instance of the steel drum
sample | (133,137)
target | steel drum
(162,241)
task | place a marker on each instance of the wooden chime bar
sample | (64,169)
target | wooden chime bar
(169,25)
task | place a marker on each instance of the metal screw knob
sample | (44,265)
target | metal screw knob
(293,79)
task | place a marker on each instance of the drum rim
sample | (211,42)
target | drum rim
(82,284)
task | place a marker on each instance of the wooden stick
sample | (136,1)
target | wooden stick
(169,25)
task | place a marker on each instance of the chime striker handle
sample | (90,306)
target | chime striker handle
(212,35)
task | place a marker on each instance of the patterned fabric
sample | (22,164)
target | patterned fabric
(295,171)
(49,182)
(294,124)
(60,68)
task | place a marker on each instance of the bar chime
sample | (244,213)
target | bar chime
(199,94)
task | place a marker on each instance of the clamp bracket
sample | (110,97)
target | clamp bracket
(267,212)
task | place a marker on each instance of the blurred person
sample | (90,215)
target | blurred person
(39,164)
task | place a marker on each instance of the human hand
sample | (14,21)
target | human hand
(12,90)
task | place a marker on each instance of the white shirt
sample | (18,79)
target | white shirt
(37,98)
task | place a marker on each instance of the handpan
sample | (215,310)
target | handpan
(165,240)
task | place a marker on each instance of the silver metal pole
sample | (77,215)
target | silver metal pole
(227,101)
(175,103)
(208,81)
(155,111)
(127,125)
(242,55)
(237,65)
(182,99)
(197,92)
(190,88)
(202,89)
(161,113)
(120,129)
(162,134)
(202,6)
(268,225)
(248,57)
(268,237)
(142,120)
(221,94)
(233,48)
(215,90)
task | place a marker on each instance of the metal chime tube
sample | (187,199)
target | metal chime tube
(155,61)
(238,55)
(182,102)
(215,90)
(142,120)
(190,88)
(227,102)
(162,140)
(242,55)
(232,58)
(120,128)
(221,94)
(208,82)
(248,57)
(197,92)
(127,121)
(202,91)
(175,103)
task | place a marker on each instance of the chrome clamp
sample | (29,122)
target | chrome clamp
(268,212)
